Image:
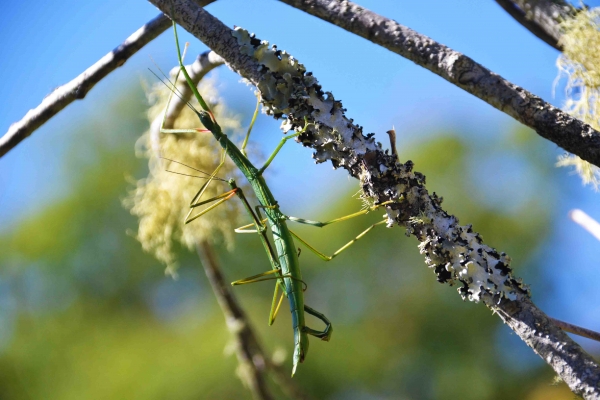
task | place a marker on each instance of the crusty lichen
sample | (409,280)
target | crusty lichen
(455,253)
(161,201)
(580,63)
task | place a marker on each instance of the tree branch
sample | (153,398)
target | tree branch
(548,121)
(575,367)
(577,330)
(457,255)
(252,361)
(586,222)
(204,63)
(79,87)
(540,17)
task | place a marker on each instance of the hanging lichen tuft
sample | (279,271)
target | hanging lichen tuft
(162,200)
(580,63)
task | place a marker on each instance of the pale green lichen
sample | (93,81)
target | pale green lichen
(162,200)
(589,173)
(580,63)
(422,218)
(288,89)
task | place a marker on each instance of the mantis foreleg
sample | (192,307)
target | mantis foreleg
(245,143)
(280,145)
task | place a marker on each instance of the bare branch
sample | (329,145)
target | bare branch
(78,88)
(540,17)
(577,330)
(456,254)
(204,63)
(548,121)
(253,364)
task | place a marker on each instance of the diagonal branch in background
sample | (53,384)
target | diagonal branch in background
(586,222)
(540,17)
(78,88)
(456,253)
(548,121)
(577,330)
(253,363)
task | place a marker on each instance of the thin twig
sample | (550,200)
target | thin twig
(204,63)
(80,86)
(548,121)
(586,222)
(540,17)
(287,384)
(456,253)
(577,330)
(252,362)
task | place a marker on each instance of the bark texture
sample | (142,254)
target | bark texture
(540,17)
(548,121)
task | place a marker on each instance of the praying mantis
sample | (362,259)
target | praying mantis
(282,251)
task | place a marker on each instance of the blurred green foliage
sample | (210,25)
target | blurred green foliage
(84,313)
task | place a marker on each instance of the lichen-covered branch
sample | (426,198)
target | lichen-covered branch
(548,121)
(576,368)
(540,17)
(455,252)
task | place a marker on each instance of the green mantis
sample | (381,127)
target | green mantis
(282,251)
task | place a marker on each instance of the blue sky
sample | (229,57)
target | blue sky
(46,44)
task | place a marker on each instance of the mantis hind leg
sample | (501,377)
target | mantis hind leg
(326,333)
(276,305)
(265,276)
(341,249)
(320,224)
